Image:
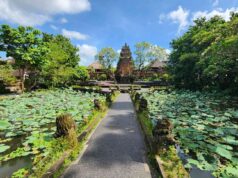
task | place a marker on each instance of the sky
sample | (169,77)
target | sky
(94,24)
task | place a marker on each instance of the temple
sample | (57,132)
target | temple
(124,71)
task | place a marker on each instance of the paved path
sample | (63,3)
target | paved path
(116,148)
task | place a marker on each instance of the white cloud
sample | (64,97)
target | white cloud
(38,12)
(87,54)
(179,16)
(119,51)
(168,51)
(215,3)
(225,14)
(54,27)
(63,20)
(74,35)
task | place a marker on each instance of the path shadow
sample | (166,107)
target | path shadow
(116,145)
(118,141)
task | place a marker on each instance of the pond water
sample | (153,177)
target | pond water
(7,168)
(194,172)
(197,173)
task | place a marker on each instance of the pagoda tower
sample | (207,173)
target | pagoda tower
(125,66)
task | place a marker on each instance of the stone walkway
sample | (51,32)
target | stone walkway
(116,148)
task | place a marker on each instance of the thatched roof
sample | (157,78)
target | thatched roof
(158,64)
(95,65)
(8,60)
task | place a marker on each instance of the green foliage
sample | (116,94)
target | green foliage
(71,50)
(3,148)
(62,62)
(204,126)
(106,57)
(102,77)
(6,74)
(21,173)
(147,124)
(25,45)
(147,53)
(158,53)
(172,164)
(206,55)
(4,124)
(59,147)
(33,118)
(82,73)
(52,60)
(142,54)
(228,171)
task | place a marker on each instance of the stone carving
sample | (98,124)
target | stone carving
(162,134)
(66,128)
(64,123)
(143,105)
(97,104)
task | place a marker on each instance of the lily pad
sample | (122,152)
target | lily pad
(3,148)
(224,153)
(4,124)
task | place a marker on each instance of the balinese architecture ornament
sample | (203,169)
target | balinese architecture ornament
(124,72)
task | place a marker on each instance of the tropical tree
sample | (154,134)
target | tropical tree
(62,61)
(206,55)
(107,57)
(147,53)
(157,53)
(142,52)
(26,46)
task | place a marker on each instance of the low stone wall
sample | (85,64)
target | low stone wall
(160,141)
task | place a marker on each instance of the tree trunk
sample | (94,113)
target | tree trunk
(22,72)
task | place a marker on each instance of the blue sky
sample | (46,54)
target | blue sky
(94,24)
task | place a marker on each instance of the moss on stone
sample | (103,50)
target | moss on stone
(172,165)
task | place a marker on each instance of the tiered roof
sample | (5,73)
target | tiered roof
(125,64)
(125,52)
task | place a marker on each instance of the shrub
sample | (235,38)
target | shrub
(6,74)
(82,73)
(102,77)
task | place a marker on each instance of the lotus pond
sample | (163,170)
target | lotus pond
(27,123)
(205,127)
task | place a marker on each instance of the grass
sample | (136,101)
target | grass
(146,123)
(171,163)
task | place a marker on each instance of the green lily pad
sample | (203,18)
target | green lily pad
(224,153)
(3,148)
(4,124)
